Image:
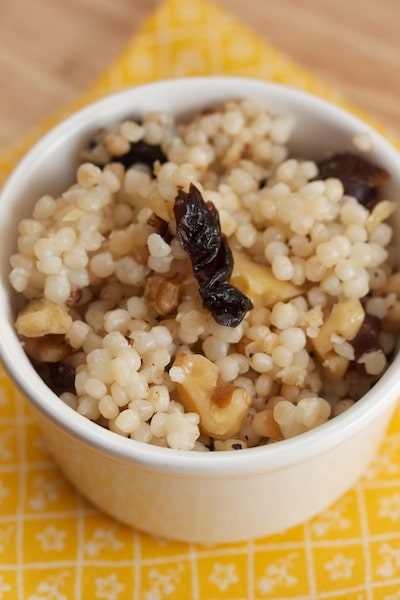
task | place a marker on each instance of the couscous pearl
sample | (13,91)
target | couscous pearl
(50,265)
(158,396)
(137,307)
(261,362)
(293,338)
(88,407)
(117,320)
(76,257)
(142,433)
(214,348)
(70,399)
(114,342)
(356,288)
(77,333)
(374,362)
(382,234)
(45,248)
(131,131)
(282,356)
(108,408)
(45,207)
(57,288)
(128,420)
(263,385)
(144,408)
(95,388)
(229,368)
(265,425)
(356,233)
(246,235)
(284,412)
(282,268)
(65,239)
(342,406)
(242,182)
(102,265)
(345,269)
(157,246)
(138,386)
(158,425)
(274,249)
(284,315)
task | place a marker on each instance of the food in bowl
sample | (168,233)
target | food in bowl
(199,288)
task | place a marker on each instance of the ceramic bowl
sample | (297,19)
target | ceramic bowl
(197,497)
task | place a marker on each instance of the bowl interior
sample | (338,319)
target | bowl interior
(320,129)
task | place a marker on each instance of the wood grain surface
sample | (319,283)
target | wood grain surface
(52,49)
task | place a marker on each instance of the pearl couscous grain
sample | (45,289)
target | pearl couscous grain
(113,319)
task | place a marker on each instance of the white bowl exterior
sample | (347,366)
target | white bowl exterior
(216,497)
(210,509)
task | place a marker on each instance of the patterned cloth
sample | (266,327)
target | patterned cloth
(55,546)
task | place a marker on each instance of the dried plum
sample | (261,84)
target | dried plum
(59,376)
(142,152)
(360,177)
(199,232)
(366,340)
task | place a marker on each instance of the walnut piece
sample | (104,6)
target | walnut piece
(221,406)
(162,294)
(42,317)
(259,283)
(47,349)
(344,321)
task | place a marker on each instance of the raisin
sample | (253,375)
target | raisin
(199,233)
(360,177)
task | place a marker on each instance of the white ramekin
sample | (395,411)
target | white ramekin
(199,497)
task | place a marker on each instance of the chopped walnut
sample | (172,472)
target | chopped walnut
(221,406)
(47,349)
(42,317)
(162,293)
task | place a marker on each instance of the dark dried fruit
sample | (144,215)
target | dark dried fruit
(141,152)
(199,232)
(227,303)
(59,376)
(366,340)
(162,293)
(360,177)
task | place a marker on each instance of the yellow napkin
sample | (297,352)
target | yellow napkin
(55,546)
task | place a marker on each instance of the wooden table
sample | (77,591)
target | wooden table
(51,49)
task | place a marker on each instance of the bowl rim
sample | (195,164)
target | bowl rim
(268,457)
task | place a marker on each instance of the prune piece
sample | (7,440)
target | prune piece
(227,303)
(366,341)
(199,232)
(360,177)
(58,376)
(141,152)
